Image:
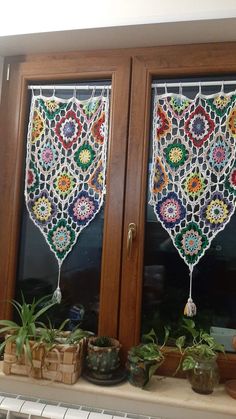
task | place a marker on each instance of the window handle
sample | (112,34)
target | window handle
(132,230)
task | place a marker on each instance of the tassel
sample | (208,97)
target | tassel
(56,298)
(190,308)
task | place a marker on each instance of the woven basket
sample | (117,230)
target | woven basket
(63,363)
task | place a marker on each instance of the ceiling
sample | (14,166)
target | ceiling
(168,33)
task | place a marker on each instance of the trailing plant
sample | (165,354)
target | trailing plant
(145,358)
(25,330)
(203,346)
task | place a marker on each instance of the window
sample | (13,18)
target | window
(121,285)
(72,68)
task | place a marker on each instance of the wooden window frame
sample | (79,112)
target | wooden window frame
(161,62)
(51,69)
(121,289)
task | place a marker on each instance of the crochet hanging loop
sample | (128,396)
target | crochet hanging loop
(190,308)
(56,298)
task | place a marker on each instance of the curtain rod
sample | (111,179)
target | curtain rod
(68,87)
(193,84)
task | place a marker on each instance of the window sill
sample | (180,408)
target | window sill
(165,397)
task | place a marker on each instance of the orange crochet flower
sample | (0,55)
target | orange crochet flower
(232,122)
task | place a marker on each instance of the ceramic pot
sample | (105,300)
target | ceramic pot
(102,361)
(205,376)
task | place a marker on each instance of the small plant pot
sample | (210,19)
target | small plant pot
(205,376)
(102,361)
(139,372)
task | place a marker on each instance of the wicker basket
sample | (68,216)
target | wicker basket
(63,363)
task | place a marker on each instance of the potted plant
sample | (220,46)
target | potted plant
(41,351)
(103,356)
(63,352)
(199,358)
(18,345)
(144,359)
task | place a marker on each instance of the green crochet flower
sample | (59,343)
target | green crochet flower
(84,156)
(61,238)
(191,242)
(176,155)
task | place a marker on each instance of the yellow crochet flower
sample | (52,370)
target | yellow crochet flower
(176,155)
(217,211)
(85,156)
(42,209)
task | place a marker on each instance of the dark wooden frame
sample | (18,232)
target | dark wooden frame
(49,69)
(161,62)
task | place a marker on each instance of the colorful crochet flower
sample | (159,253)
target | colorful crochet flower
(216,211)
(97,179)
(194,185)
(231,122)
(176,155)
(61,238)
(160,178)
(170,210)
(218,154)
(231,181)
(42,208)
(179,104)
(68,129)
(47,156)
(38,127)
(163,123)
(90,107)
(221,103)
(84,156)
(98,129)
(191,242)
(32,178)
(51,107)
(83,209)
(199,126)
(64,184)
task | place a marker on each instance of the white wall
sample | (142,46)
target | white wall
(25,16)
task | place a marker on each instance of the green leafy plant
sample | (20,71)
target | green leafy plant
(145,358)
(50,336)
(26,330)
(203,346)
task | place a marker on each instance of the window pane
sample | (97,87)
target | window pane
(166,276)
(80,274)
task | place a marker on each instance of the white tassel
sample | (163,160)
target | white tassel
(56,298)
(190,308)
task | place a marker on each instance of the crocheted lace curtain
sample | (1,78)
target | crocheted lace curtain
(193,176)
(65,168)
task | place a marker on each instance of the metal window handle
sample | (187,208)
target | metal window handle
(132,230)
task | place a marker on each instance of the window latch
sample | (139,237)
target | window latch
(132,231)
